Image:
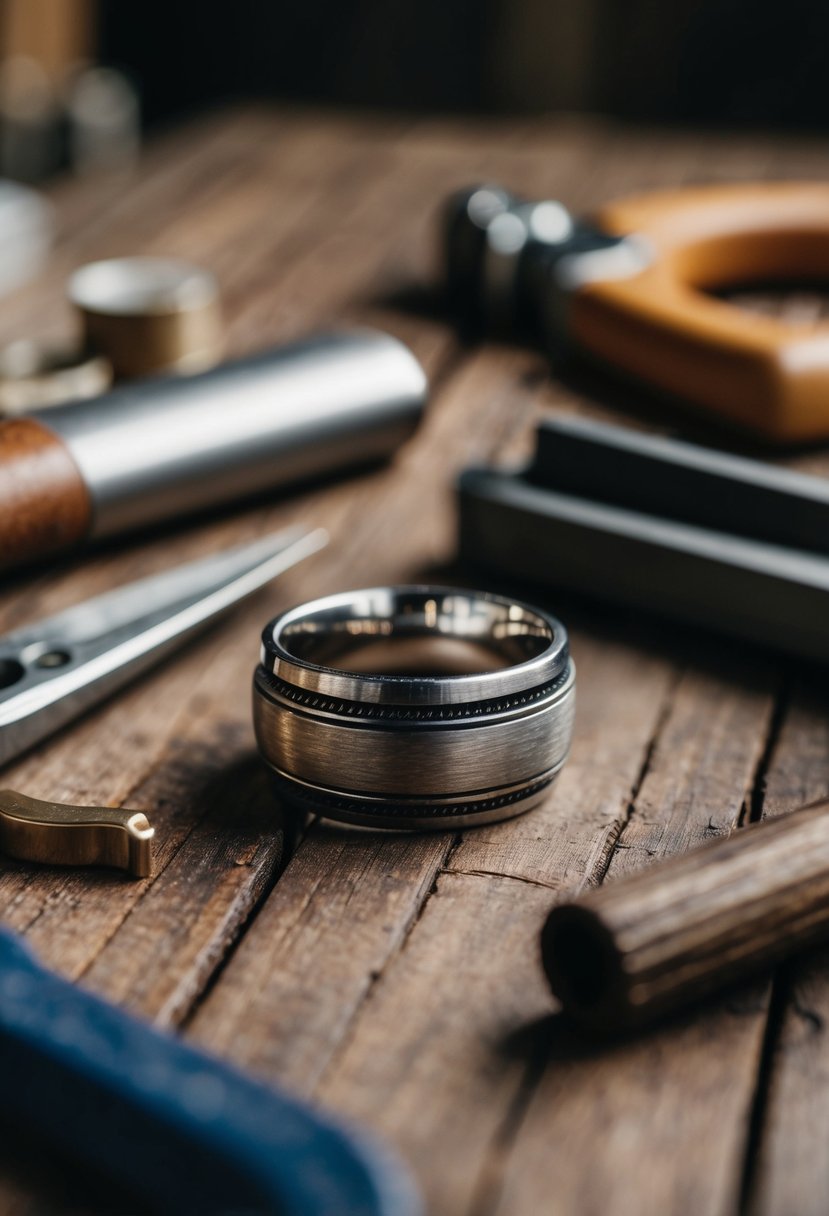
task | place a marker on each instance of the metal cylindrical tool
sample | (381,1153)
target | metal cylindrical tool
(166,447)
(631,951)
(414,707)
(671,479)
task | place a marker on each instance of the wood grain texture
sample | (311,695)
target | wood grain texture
(398,978)
(44,503)
(786,1170)
(682,1089)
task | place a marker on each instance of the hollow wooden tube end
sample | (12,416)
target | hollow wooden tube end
(633,950)
(584,968)
(45,506)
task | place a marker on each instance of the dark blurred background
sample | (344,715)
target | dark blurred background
(731,61)
(80,78)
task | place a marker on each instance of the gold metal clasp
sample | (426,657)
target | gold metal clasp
(59,834)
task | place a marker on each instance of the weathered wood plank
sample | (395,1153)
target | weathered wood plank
(790,1173)
(697,776)
(709,1063)
(711,1176)
(140,738)
(406,1041)
(398,978)
(679,1094)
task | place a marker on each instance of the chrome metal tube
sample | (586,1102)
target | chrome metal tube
(165,447)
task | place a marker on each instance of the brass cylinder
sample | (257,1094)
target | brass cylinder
(149,315)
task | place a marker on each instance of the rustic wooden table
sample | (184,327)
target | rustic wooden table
(396,979)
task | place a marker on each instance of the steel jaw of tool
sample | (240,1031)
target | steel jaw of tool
(54,670)
(636,287)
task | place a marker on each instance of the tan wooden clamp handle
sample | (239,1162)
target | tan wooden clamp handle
(663,325)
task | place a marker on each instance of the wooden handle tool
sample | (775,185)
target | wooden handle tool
(635,286)
(627,953)
(665,325)
(166,447)
(45,503)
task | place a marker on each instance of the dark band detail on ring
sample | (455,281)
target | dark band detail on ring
(410,713)
(324,802)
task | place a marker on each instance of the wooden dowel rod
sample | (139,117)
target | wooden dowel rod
(629,952)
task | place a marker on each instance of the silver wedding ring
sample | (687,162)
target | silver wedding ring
(414,707)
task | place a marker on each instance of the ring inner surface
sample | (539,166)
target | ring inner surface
(418,634)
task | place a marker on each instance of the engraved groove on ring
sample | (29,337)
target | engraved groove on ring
(410,713)
(333,802)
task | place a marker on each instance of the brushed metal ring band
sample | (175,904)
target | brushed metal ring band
(414,707)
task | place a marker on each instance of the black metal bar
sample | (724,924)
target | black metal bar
(758,591)
(682,481)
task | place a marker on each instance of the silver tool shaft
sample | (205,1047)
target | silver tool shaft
(54,670)
(161,448)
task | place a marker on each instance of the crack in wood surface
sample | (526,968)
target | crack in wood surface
(489,1192)
(752,811)
(780,991)
(533,882)
(616,840)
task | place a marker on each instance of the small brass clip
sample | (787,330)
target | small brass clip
(60,834)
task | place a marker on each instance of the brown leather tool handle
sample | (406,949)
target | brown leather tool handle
(44,504)
(633,950)
(664,326)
